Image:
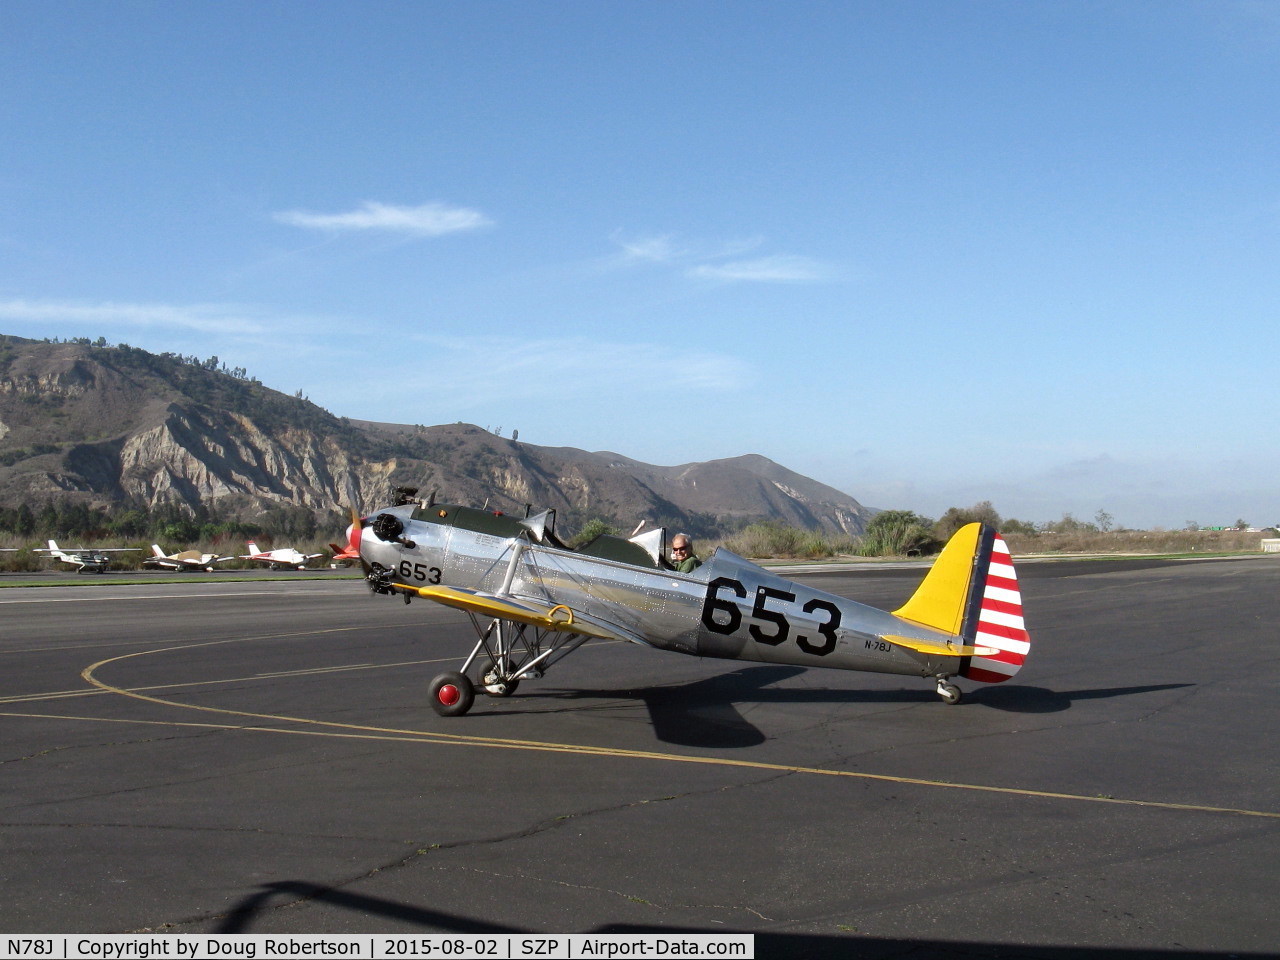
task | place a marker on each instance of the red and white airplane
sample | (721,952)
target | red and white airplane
(285,557)
(344,556)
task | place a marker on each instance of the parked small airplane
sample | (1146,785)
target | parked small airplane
(95,561)
(278,559)
(189,560)
(533,601)
(343,556)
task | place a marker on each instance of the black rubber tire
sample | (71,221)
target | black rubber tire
(452,694)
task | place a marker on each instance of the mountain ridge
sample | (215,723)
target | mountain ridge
(117,425)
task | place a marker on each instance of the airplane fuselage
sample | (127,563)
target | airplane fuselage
(728,608)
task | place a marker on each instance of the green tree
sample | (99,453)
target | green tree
(957,517)
(1021,527)
(1069,524)
(48,521)
(129,523)
(24,521)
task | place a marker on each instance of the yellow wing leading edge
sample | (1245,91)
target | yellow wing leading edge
(544,616)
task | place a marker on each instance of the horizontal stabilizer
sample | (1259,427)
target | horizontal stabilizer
(939,649)
(543,616)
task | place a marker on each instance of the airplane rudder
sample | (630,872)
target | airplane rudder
(994,615)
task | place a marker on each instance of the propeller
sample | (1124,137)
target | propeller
(353,540)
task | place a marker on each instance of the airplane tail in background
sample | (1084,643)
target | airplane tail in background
(253,547)
(53,546)
(972,592)
(155,549)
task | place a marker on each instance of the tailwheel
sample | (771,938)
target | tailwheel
(949,692)
(494,686)
(451,694)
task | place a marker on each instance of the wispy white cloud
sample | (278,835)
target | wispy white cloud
(721,261)
(203,318)
(668,248)
(782,268)
(621,366)
(653,249)
(428,220)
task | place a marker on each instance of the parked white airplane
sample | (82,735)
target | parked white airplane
(283,557)
(94,561)
(189,560)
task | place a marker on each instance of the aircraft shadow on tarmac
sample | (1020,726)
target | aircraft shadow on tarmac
(774,946)
(1039,700)
(705,713)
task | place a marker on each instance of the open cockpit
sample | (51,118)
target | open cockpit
(646,549)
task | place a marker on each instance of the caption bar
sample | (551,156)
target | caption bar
(252,946)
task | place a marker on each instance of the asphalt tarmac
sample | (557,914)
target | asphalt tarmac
(260,757)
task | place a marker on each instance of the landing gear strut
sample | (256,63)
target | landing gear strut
(508,651)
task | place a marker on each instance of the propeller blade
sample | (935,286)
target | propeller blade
(353,541)
(353,537)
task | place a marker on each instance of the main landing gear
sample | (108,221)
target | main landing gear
(451,694)
(513,651)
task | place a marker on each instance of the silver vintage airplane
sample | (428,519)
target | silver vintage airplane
(533,601)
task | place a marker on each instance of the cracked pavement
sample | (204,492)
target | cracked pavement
(261,758)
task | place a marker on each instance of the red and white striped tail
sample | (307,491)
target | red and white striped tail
(995,616)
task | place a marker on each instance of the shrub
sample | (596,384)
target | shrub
(768,538)
(593,528)
(898,533)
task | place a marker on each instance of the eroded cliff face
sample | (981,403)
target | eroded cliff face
(205,457)
(72,378)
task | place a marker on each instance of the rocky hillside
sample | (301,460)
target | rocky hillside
(118,425)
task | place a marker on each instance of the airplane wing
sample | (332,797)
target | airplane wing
(61,552)
(938,649)
(534,613)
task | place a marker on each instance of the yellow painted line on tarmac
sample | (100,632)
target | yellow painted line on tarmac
(98,691)
(130,599)
(361,731)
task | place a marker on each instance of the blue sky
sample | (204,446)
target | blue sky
(929,253)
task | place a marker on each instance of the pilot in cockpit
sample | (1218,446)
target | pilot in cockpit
(682,556)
